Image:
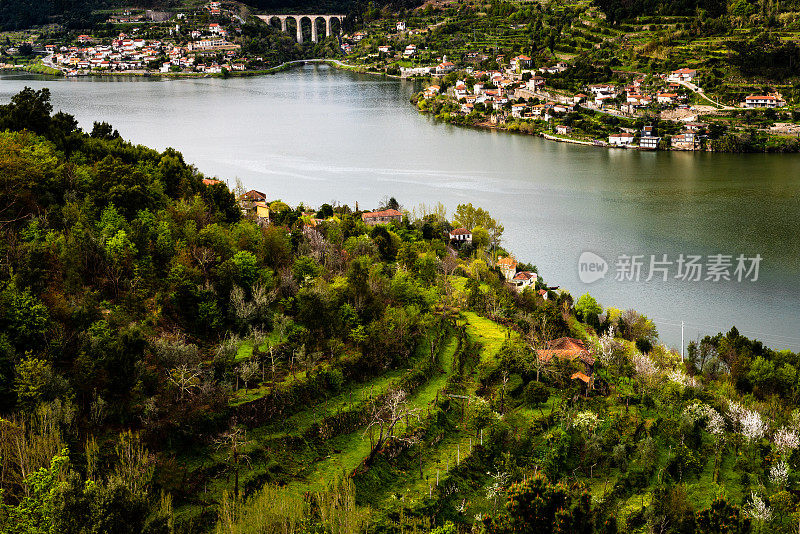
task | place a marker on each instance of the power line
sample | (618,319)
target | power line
(703,326)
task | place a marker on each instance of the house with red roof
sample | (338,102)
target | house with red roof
(508,267)
(521,62)
(682,75)
(373,218)
(460,235)
(771,100)
(569,349)
(524,279)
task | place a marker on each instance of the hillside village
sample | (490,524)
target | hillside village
(205,40)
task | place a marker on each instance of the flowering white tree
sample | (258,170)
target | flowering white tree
(786,440)
(779,474)
(753,425)
(497,486)
(736,413)
(757,509)
(607,346)
(645,367)
(714,422)
(586,422)
(681,379)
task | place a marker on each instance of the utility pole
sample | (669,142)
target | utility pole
(681,340)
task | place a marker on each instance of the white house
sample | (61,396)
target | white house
(401,26)
(620,139)
(535,82)
(520,62)
(603,89)
(666,98)
(461,235)
(563,129)
(682,75)
(649,142)
(771,100)
(445,67)
(517,110)
(524,279)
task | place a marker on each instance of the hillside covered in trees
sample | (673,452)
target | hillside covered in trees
(170,363)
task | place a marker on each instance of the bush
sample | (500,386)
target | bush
(536,394)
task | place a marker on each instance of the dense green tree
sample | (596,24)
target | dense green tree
(536,505)
(721,518)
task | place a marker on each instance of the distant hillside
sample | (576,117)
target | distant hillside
(21,14)
(341,6)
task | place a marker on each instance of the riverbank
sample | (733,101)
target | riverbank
(55,71)
(599,129)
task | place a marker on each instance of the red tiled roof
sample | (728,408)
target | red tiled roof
(460,231)
(507,262)
(580,376)
(524,275)
(384,213)
(254,195)
(566,348)
(209,181)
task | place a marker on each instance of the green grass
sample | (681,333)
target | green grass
(355,447)
(489,334)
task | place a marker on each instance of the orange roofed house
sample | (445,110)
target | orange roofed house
(507,266)
(567,348)
(373,218)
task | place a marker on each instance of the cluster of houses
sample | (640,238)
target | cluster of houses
(519,82)
(126,53)
(132,53)
(636,97)
(689,139)
(519,279)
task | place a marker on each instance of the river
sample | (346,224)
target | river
(315,134)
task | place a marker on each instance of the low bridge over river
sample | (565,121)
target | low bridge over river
(313,19)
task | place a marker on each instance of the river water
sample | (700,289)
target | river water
(315,134)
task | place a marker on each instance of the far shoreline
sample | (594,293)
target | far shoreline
(340,65)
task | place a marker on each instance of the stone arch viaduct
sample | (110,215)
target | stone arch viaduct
(312,18)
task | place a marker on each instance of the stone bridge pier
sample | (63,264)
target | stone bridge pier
(298,21)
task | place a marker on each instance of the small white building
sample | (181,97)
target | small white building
(401,26)
(524,279)
(620,139)
(461,235)
(666,98)
(517,110)
(682,75)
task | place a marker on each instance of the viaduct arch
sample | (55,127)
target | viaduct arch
(298,19)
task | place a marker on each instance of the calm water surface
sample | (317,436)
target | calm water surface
(314,134)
